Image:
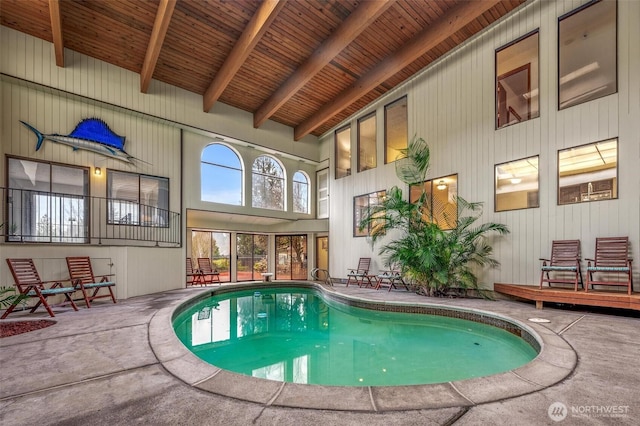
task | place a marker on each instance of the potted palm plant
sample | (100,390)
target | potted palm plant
(435,261)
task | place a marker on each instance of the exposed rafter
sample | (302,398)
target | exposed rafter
(357,22)
(160,26)
(56,30)
(429,38)
(314,55)
(259,23)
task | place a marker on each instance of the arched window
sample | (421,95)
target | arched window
(268,183)
(221,175)
(300,192)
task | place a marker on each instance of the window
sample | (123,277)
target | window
(587,53)
(396,129)
(367,143)
(47,202)
(322,179)
(300,192)
(343,152)
(588,172)
(137,199)
(440,200)
(516,184)
(268,184)
(221,175)
(517,88)
(217,247)
(361,205)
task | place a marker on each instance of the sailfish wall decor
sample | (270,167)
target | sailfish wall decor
(91,134)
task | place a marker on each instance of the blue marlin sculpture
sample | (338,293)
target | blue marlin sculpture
(91,134)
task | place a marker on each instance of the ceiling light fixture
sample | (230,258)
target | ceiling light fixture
(515,180)
(441,185)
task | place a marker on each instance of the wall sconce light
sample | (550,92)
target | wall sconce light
(97,171)
(441,185)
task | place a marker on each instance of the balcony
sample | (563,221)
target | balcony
(46,217)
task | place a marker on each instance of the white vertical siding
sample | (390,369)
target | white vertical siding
(451,105)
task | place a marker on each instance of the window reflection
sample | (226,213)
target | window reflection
(516,184)
(588,172)
(396,129)
(343,152)
(517,74)
(587,48)
(211,324)
(440,200)
(367,152)
(361,206)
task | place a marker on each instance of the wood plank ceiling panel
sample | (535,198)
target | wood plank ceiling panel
(200,36)
(202,33)
(114,32)
(34,20)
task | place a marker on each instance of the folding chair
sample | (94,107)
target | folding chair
(29,284)
(194,276)
(83,279)
(564,265)
(611,259)
(209,274)
(361,273)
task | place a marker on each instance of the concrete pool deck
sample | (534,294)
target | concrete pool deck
(119,364)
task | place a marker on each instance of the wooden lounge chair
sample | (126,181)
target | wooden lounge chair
(610,263)
(208,273)
(83,279)
(360,274)
(29,284)
(390,278)
(564,265)
(194,276)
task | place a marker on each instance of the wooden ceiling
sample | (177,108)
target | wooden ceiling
(308,64)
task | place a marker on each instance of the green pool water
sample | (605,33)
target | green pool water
(295,335)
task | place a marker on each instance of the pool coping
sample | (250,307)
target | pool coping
(555,361)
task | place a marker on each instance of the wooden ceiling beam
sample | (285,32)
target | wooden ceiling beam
(430,37)
(260,22)
(355,23)
(160,26)
(56,30)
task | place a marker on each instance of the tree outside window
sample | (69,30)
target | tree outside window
(268,184)
(300,193)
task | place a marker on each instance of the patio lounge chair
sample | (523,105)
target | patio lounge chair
(361,273)
(209,274)
(83,279)
(564,265)
(29,284)
(194,276)
(611,260)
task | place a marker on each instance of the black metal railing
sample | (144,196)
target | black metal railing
(48,217)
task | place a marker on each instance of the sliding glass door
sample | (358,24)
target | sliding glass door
(291,252)
(251,256)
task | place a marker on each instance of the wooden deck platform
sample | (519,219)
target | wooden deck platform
(605,299)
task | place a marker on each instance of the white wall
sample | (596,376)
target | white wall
(451,105)
(54,100)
